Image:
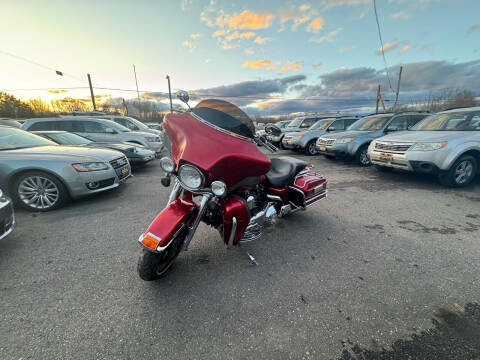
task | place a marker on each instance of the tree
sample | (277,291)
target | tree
(12,107)
(39,106)
(69,104)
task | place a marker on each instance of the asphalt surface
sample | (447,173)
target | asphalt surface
(385,267)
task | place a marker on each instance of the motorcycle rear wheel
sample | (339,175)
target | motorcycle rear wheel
(152,266)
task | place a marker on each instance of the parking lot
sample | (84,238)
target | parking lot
(372,264)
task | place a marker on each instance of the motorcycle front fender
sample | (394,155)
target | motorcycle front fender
(163,229)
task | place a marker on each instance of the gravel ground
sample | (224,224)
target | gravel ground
(385,268)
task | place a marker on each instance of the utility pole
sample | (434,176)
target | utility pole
(125,105)
(91,92)
(170,94)
(378,99)
(398,87)
(136,83)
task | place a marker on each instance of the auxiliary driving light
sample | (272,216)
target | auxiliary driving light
(219,188)
(167,164)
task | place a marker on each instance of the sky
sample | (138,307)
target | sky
(270,57)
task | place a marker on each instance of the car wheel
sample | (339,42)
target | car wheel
(361,157)
(461,173)
(383,168)
(39,191)
(311,148)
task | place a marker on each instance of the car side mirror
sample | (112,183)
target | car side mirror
(331,128)
(391,129)
(273,130)
(110,131)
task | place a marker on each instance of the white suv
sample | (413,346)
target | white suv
(95,129)
(130,123)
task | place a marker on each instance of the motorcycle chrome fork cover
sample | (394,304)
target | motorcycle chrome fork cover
(193,228)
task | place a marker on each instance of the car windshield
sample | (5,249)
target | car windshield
(283,124)
(370,123)
(12,138)
(68,139)
(456,121)
(321,124)
(138,123)
(295,123)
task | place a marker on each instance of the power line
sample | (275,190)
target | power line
(381,43)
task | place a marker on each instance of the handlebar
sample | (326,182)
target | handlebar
(262,141)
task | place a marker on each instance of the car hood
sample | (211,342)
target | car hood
(115,146)
(69,153)
(142,133)
(289,130)
(423,136)
(351,133)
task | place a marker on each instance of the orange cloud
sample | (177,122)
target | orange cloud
(290,66)
(189,45)
(315,25)
(318,66)
(330,37)
(194,36)
(247,20)
(237,35)
(404,49)
(304,7)
(388,47)
(58,91)
(219,33)
(260,64)
(260,40)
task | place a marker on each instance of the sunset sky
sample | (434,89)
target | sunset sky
(267,55)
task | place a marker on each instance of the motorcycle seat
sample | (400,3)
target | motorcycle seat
(283,171)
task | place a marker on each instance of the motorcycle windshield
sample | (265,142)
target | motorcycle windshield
(225,116)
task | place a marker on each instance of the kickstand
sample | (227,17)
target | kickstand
(252,259)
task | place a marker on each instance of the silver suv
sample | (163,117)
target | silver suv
(130,123)
(446,144)
(95,129)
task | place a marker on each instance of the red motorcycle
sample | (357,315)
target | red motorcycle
(223,179)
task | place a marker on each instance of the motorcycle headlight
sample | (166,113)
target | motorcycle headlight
(190,176)
(167,164)
(344,140)
(219,188)
(428,146)
(90,166)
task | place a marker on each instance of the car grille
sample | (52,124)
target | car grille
(392,147)
(118,163)
(326,142)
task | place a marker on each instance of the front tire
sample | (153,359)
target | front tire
(361,157)
(461,173)
(311,148)
(152,266)
(39,191)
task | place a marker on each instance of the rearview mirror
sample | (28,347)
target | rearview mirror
(273,130)
(110,131)
(183,96)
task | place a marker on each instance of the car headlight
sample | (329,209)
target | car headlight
(344,140)
(428,146)
(219,188)
(152,138)
(90,166)
(167,164)
(190,176)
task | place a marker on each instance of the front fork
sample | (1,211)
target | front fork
(176,191)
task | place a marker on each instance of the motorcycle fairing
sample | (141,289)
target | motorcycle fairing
(161,231)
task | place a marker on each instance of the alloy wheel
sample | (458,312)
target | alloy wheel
(38,192)
(463,172)
(364,160)
(312,148)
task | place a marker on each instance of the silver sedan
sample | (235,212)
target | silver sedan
(41,175)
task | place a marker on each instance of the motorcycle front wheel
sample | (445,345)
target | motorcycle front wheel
(152,266)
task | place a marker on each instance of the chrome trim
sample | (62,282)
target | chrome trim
(303,196)
(220,129)
(201,212)
(200,191)
(174,193)
(274,197)
(312,200)
(233,231)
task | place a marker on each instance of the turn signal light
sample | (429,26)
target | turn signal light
(149,240)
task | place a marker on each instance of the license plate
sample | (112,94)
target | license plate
(386,157)
(322,148)
(125,170)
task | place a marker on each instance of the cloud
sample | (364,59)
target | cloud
(189,45)
(219,33)
(260,64)
(60,91)
(330,37)
(185,4)
(241,35)
(194,36)
(404,49)
(261,40)
(347,48)
(315,25)
(297,15)
(246,20)
(290,66)
(318,66)
(249,51)
(474,28)
(401,15)
(334,3)
(388,47)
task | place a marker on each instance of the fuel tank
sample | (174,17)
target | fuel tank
(220,155)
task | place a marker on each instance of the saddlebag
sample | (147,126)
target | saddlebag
(307,188)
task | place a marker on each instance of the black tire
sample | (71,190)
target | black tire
(49,189)
(311,148)
(361,157)
(383,168)
(462,172)
(152,266)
